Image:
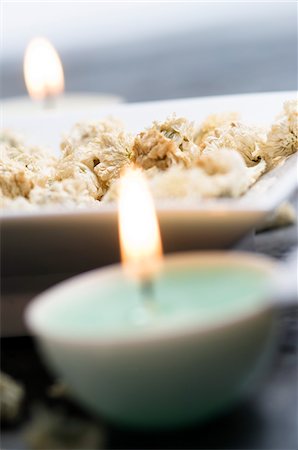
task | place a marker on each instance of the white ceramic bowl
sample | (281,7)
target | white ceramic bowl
(86,238)
(171,377)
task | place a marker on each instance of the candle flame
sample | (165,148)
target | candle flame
(43,69)
(140,242)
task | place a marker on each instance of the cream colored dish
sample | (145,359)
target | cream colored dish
(79,239)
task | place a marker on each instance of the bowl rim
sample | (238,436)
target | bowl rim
(256,261)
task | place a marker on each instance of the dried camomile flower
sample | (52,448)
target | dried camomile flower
(23,166)
(225,175)
(211,124)
(114,153)
(85,132)
(69,192)
(15,180)
(73,171)
(55,430)
(179,130)
(164,144)
(282,138)
(38,161)
(219,162)
(11,398)
(283,216)
(221,173)
(245,139)
(96,156)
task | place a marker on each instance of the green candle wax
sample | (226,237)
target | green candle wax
(189,295)
(203,340)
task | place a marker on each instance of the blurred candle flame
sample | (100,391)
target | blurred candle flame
(140,241)
(43,69)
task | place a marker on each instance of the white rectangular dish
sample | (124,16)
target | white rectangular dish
(72,241)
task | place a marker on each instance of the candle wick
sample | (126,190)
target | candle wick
(49,102)
(145,311)
(147,290)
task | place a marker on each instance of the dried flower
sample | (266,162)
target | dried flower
(244,139)
(211,124)
(12,394)
(53,429)
(224,157)
(164,144)
(282,138)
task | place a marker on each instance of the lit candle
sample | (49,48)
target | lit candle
(43,71)
(44,79)
(205,342)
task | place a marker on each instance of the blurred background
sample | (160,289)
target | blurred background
(157,50)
